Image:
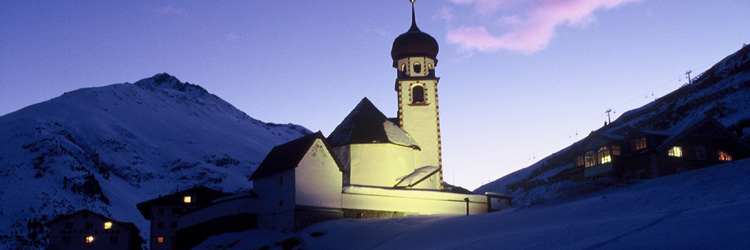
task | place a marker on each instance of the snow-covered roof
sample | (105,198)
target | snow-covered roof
(288,155)
(366,124)
(417,176)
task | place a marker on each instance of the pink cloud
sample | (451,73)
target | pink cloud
(532,30)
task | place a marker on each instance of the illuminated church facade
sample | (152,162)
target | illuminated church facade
(369,166)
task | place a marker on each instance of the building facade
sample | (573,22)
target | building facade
(88,230)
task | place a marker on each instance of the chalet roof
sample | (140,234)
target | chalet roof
(692,126)
(202,197)
(288,155)
(366,124)
(133,229)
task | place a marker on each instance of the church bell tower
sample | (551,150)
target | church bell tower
(414,57)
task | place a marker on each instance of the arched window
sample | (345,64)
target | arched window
(403,67)
(417,94)
(604,155)
(417,68)
(590,159)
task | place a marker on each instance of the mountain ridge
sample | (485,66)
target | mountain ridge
(720,93)
(108,148)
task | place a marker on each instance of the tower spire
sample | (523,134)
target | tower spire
(413,18)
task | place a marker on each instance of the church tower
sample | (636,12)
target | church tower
(414,57)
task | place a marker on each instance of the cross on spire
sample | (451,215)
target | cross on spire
(413,18)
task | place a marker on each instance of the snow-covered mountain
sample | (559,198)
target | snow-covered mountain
(722,92)
(108,148)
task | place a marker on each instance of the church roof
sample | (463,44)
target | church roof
(288,155)
(414,43)
(366,124)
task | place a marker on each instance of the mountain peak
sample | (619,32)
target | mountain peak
(167,81)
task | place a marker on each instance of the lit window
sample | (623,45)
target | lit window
(700,152)
(417,68)
(615,149)
(90,239)
(604,155)
(675,151)
(639,144)
(724,156)
(159,239)
(579,161)
(107,225)
(403,67)
(590,159)
(417,94)
(187,199)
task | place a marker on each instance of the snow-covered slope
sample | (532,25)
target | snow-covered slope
(703,209)
(109,148)
(722,92)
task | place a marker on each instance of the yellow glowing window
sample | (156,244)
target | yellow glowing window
(417,68)
(724,156)
(639,144)
(604,155)
(403,67)
(675,151)
(187,199)
(89,239)
(590,159)
(107,225)
(160,239)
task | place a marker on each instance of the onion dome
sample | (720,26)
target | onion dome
(414,43)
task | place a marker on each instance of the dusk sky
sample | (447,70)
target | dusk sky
(520,79)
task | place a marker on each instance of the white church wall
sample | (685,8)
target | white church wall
(379,164)
(318,179)
(411,201)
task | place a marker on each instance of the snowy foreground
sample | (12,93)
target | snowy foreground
(705,209)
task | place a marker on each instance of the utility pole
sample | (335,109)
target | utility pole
(609,120)
(690,81)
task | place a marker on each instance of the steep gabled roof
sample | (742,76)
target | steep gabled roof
(366,124)
(202,197)
(288,155)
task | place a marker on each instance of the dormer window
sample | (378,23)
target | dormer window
(417,95)
(417,68)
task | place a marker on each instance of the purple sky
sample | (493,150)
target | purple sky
(520,79)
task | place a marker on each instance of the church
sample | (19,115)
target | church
(369,166)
